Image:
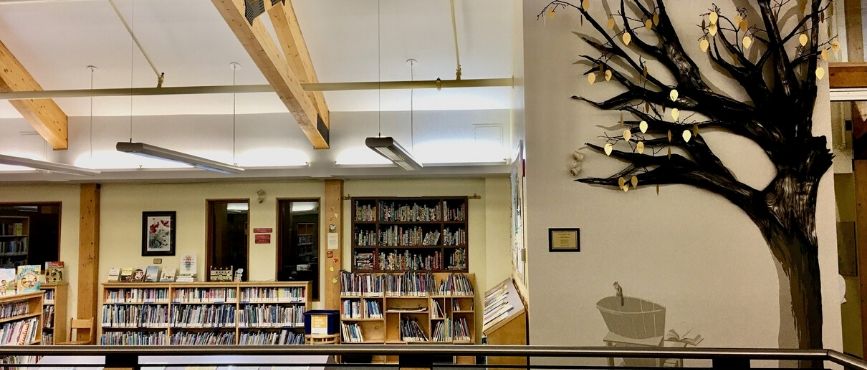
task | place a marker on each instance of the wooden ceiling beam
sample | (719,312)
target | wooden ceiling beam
(295,50)
(44,115)
(283,78)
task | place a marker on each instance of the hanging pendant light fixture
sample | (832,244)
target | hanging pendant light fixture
(387,146)
(153,151)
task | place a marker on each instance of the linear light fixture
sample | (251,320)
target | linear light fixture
(47,166)
(389,148)
(152,151)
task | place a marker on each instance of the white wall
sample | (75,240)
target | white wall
(70,198)
(689,250)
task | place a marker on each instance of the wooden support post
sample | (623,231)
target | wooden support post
(88,252)
(333,206)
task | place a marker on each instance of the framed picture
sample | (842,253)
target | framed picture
(158,233)
(564,240)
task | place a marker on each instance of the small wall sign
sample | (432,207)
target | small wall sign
(263,239)
(262,230)
(564,239)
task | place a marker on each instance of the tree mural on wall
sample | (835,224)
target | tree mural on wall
(663,144)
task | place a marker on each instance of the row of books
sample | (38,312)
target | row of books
(365,238)
(457,260)
(19,360)
(455,214)
(205,295)
(409,283)
(413,213)
(16,228)
(206,338)
(260,338)
(8,310)
(448,330)
(352,284)
(456,284)
(47,338)
(47,317)
(367,309)
(395,261)
(271,315)
(133,338)
(365,212)
(49,296)
(208,316)
(137,295)
(19,332)
(458,237)
(133,316)
(398,236)
(266,295)
(351,332)
(410,331)
(13,246)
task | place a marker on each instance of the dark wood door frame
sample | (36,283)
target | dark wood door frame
(209,231)
(280,237)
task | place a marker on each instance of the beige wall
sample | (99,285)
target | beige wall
(689,250)
(69,197)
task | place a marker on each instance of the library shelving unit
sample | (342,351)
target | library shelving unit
(20,324)
(413,307)
(54,313)
(505,320)
(392,234)
(204,313)
(14,240)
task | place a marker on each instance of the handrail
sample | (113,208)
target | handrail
(533,351)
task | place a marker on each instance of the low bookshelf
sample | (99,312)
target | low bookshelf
(20,324)
(204,313)
(393,234)
(54,313)
(14,240)
(412,307)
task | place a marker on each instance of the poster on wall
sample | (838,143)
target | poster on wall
(517,185)
(158,233)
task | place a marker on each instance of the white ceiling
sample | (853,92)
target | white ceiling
(191,43)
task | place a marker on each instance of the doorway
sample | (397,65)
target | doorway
(298,242)
(228,235)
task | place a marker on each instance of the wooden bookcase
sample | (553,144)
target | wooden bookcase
(14,240)
(416,306)
(504,320)
(54,313)
(238,307)
(388,233)
(25,324)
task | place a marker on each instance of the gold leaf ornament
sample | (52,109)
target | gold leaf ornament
(608,149)
(627,38)
(640,147)
(703,44)
(655,19)
(748,41)
(686,135)
(743,25)
(712,30)
(585,4)
(802,39)
(648,24)
(621,182)
(713,17)
(824,54)
(634,181)
(607,75)
(673,95)
(675,113)
(643,126)
(627,134)
(820,72)
(611,22)
(738,19)
(625,188)
(591,78)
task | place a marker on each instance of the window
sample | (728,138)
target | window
(29,234)
(228,230)
(298,239)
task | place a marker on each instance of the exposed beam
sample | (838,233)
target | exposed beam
(88,252)
(332,204)
(295,50)
(847,75)
(285,81)
(44,115)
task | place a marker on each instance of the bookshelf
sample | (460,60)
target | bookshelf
(204,313)
(14,240)
(504,320)
(412,307)
(20,325)
(394,234)
(54,313)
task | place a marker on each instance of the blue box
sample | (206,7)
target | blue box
(332,320)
